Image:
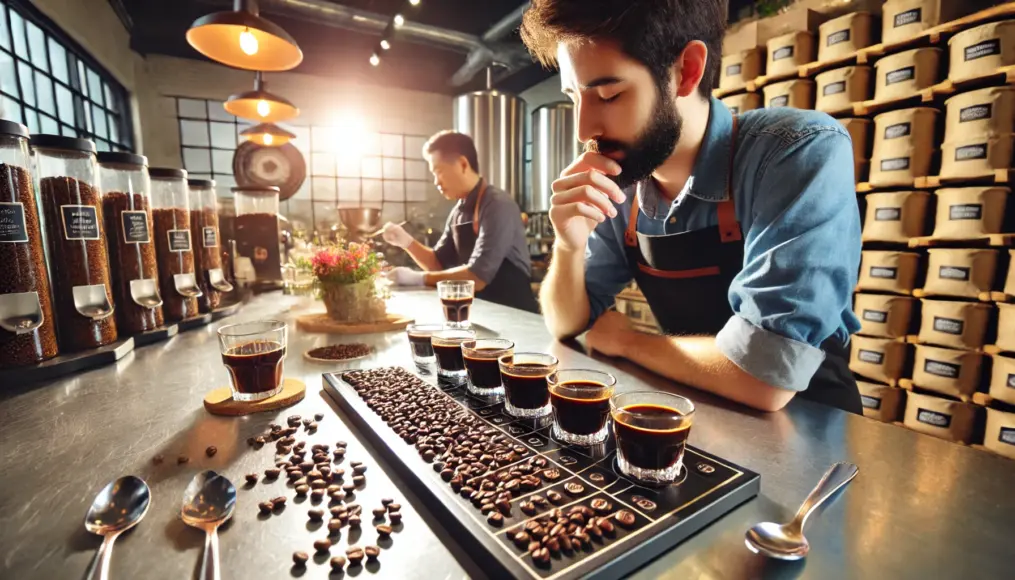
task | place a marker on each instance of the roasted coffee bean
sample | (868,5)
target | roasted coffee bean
(539,500)
(521,538)
(307,466)
(557,530)
(349,487)
(358,480)
(541,557)
(395,517)
(553,544)
(301,481)
(554,497)
(312,426)
(601,505)
(354,521)
(551,474)
(338,510)
(266,507)
(495,518)
(317,494)
(211,451)
(272,473)
(574,488)
(359,469)
(577,518)
(315,515)
(355,509)
(625,518)
(341,444)
(372,552)
(379,513)
(394,507)
(319,484)
(337,473)
(355,555)
(339,453)
(251,478)
(384,530)
(302,489)
(606,526)
(278,501)
(533,546)
(337,495)
(487,508)
(528,508)
(314,474)
(337,563)
(307,421)
(428,456)
(293,420)
(182,459)
(447,475)
(335,524)
(319,416)
(322,545)
(300,558)
(387,501)
(504,506)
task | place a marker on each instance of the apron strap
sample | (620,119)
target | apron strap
(631,235)
(475,212)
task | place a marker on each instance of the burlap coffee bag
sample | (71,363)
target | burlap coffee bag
(942,418)
(888,271)
(895,216)
(845,35)
(881,402)
(883,315)
(880,359)
(960,272)
(955,324)
(902,75)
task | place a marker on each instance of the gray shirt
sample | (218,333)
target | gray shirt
(501,235)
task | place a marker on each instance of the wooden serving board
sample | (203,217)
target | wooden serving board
(220,401)
(321,322)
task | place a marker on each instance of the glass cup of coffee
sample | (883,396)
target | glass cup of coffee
(651,429)
(581,405)
(422,348)
(481,364)
(456,298)
(447,349)
(524,375)
(253,353)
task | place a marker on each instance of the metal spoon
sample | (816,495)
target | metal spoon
(787,541)
(118,507)
(207,503)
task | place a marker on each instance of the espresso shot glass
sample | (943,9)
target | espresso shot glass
(651,429)
(253,353)
(421,346)
(447,350)
(581,405)
(526,392)
(456,299)
(482,367)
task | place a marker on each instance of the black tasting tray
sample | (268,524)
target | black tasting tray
(709,488)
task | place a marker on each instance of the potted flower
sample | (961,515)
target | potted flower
(346,275)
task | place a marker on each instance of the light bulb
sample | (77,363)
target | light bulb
(248,43)
(263,108)
(385,45)
(399,21)
(414,2)
(268,139)
(375,60)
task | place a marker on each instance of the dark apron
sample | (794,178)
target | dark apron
(511,286)
(686,278)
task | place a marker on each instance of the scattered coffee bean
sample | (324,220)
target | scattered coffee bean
(341,444)
(312,426)
(300,558)
(574,488)
(315,515)
(317,494)
(322,545)
(551,474)
(338,510)
(272,473)
(337,495)
(521,538)
(601,505)
(307,421)
(355,464)
(606,526)
(495,518)
(395,517)
(158,459)
(293,420)
(266,507)
(625,518)
(372,552)
(319,484)
(278,501)
(387,501)
(355,555)
(211,451)
(384,530)
(354,521)
(528,508)
(379,513)
(182,459)
(251,478)
(539,500)
(394,507)
(302,489)
(349,487)
(335,524)
(541,557)
(358,480)
(337,563)
(359,469)
(319,416)
(554,497)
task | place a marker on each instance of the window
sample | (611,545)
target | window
(381,170)
(48,83)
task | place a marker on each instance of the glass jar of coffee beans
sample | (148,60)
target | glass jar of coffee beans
(76,233)
(174,243)
(204,223)
(126,207)
(27,325)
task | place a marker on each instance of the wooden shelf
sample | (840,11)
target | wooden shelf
(812,68)
(934,35)
(729,91)
(763,80)
(988,240)
(1002,76)
(998,177)
(981,297)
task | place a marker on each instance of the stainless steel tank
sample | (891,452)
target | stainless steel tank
(496,122)
(554,146)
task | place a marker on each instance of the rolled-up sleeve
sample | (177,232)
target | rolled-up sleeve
(606,270)
(801,257)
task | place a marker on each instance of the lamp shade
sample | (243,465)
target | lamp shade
(262,106)
(243,40)
(267,134)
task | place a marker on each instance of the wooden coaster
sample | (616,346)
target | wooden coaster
(321,322)
(314,359)
(220,401)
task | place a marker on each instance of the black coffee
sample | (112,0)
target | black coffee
(484,373)
(583,410)
(256,367)
(449,358)
(422,346)
(456,309)
(527,392)
(657,442)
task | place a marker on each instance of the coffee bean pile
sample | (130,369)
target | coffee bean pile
(174,305)
(341,351)
(131,261)
(560,531)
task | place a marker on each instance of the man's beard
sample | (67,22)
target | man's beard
(650,149)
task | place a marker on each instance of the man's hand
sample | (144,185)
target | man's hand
(396,235)
(403,276)
(610,334)
(582,199)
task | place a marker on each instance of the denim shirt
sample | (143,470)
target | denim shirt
(795,199)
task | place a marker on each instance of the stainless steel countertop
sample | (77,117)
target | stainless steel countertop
(920,508)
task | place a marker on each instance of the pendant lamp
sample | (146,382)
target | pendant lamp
(242,39)
(260,105)
(268,135)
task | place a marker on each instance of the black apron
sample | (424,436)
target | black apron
(686,278)
(511,286)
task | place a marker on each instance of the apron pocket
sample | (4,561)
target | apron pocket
(797,93)
(971,212)
(787,52)
(893,272)
(839,88)
(960,272)
(1002,379)
(904,143)
(980,51)
(1006,327)
(902,75)
(999,436)
(880,359)
(954,324)
(947,371)
(976,156)
(881,402)
(883,315)
(987,112)
(842,36)
(739,68)
(942,418)
(895,216)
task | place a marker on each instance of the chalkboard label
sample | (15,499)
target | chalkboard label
(981,49)
(135,227)
(933,418)
(941,369)
(883,272)
(965,211)
(734,70)
(900,75)
(895,164)
(871,356)
(735,110)
(976,113)
(834,88)
(978,151)
(12,223)
(837,37)
(907,17)
(870,402)
(211,237)
(1007,435)
(80,222)
(1011,381)
(879,316)
(898,130)
(780,101)
(953,273)
(948,325)
(888,214)
(179,240)
(781,53)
